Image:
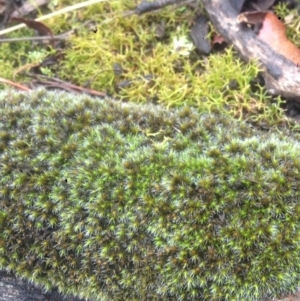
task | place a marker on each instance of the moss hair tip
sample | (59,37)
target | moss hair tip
(159,204)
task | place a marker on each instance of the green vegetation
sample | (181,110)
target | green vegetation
(291,19)
(114,201)
(148,58)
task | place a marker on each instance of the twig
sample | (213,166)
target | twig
(62,36)
(54,14)
(59,37)
(282,77)
(14,84)
(146,6)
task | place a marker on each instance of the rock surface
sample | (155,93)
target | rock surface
(15,289)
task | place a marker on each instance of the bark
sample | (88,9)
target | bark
(282,77)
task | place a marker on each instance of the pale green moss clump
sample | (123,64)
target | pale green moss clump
(148,58)
(114,201)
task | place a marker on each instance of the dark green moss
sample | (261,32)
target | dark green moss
(152,204)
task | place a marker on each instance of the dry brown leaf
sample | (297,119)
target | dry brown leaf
(41,28)
(218,39)
(273,33)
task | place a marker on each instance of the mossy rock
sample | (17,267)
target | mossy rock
(113,201)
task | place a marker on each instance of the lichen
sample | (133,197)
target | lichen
(113,201)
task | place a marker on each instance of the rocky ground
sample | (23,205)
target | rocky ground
(14,289)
